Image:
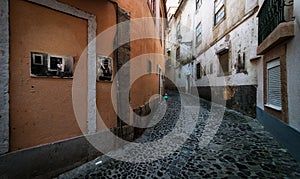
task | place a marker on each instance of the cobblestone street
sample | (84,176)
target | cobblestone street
(240,148)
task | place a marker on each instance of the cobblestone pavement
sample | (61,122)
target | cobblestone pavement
(240,148)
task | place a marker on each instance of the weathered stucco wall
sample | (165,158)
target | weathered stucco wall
(106,20)
(142,87)
(143,28)
(41,109)
(237,33)
(238,44)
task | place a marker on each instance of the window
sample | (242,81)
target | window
(198,70)
(198,4)
(178,53)
(224,63)
(240,66)
(199,34)
(178,34)
(274,84)
(219,11)
(168,62)
(160,26)
(149,66)
(204,71)
(211,68)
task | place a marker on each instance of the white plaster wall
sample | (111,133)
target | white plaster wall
(185,17)
(293,72)
(187,21)
(260,84)
(260,71)
(180,82)
(205,15)
(171,45)
(91,50)
(250,4)
(242,39)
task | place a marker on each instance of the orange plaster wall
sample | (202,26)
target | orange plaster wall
(144,86)
(41,109)
(106,20)
(144,89)
(147,46)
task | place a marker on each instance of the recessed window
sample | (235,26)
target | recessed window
(198,70)
(178,30)
(204,71)
(178,53)
(224,63)
(240,65)
(149,66)
(211,68)
(199,34)
(274,85)
(219,11)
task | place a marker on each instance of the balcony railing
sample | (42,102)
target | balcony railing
(270,16)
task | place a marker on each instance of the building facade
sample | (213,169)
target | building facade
(244,52)
(60,60)
(278,71)
(214,46)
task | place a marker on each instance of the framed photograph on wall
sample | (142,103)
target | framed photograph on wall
(104,68)
(52,66)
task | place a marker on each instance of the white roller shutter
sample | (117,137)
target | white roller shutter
(274,84)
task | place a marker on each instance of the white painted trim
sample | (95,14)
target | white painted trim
(4,77)
(274,107)
(92,27)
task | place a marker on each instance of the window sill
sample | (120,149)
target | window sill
(255,58)
(273,107)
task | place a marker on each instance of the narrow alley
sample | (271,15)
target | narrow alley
(240,148)
(149,89)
